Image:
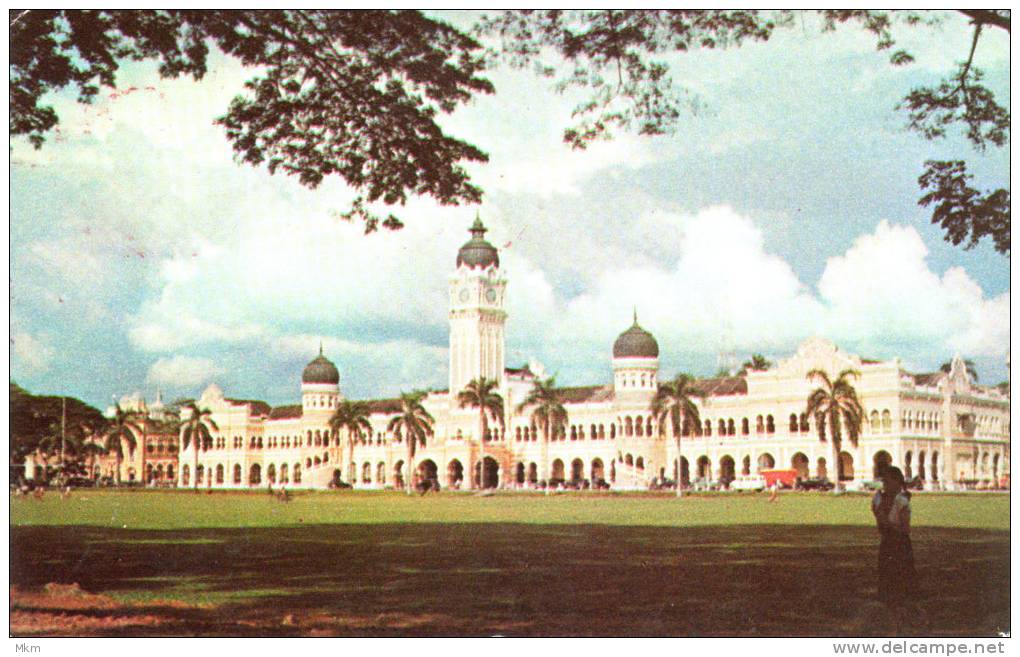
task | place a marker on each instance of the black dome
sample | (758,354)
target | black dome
(635,342)
(320,370)
(477,252)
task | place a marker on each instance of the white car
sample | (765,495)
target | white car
(748,483)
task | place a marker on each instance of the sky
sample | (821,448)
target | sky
(142,257)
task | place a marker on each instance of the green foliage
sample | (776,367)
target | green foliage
(965,214)
(673,406)
(547,410)
(351,418)
(347,93)
(757,363)
(837,402)
(35,422)
(481,394)
(413,425)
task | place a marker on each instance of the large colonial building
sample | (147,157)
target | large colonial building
(941,427)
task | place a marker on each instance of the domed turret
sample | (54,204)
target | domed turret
(635,342)
(321,370)
(477,252)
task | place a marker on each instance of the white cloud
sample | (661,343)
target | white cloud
(180,371)
(32,354)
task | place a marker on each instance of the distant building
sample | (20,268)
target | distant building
(940,427)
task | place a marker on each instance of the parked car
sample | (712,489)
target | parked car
(817,483)
(748,482)
(80,482)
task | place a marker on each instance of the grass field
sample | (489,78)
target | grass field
(351,563)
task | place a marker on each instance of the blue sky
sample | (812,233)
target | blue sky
(142,256)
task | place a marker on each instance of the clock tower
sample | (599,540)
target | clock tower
(477,318)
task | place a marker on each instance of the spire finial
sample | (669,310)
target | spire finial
(635,315)
(478,229)
(320,347)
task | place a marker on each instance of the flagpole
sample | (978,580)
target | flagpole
(63,433)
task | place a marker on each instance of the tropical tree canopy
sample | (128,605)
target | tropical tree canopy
(836,401)
(547,410)
(412,423)
(35,417)
(674,406)
(123,429)
(482,394)
(968,364)
(757,363)
(352,417)
(197,428)
(358,94)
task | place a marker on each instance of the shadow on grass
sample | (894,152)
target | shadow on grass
(516,579)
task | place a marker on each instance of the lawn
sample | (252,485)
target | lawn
(353,563)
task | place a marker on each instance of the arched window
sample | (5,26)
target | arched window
(722,427)
(640,463)
(759,426)
(770,424)
(875,426)
(602,432)
(297,473)
(730,428)
(612,431)
(237,473)
(804,428)
(517,434)
(219,473)
(708,427)
(594,435)
(745,427)
(271,473)
(886,421)
(629,426)
(184,475)
(573,432)
(308,463)
(284,476)
(639,426)
(366,473)
(648,427)
(793,424)
(199,474)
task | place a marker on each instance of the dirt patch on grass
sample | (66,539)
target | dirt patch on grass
(68,610)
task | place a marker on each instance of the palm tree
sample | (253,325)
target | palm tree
(413,424)
(757,362)
(351,417)
(481,394)
(123,427)
(196,430)
(90,451)
(547,412)
(836,403)
(968,364)
(673,406)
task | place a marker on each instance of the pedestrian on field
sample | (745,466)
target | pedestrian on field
(897,578)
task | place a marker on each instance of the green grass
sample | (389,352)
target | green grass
(458,564)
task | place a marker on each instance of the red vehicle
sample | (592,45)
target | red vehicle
(786,478)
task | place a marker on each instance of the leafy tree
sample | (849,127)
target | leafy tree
(124,426)
(757,363)
(347,93)
(547,413)
(351,417)
(356,94)
(836,402)
(35,417)
(616,57)
(968,364)
(481,394)
(197,426)
(413,424)
(673,406)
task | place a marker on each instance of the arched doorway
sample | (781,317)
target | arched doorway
(237,473)
(491,474)
(766,462)
(271,473)
(800,463)
(685,471)
(598,470)
(882,460)
(427,471)
(934,466)
(398,474)
(255,475)
(532,473)
(455,474)
(576,470)
(746,469)
(920,465)
(519,473)
(846,466)
(727,470)
(822,472)
(704,468)
(366,473)
(380,476)
(907,472)
(557,470)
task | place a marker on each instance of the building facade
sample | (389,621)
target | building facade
(941,427)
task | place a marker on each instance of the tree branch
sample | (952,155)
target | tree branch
(986,17)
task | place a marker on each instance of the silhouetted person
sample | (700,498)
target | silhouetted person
(897,577)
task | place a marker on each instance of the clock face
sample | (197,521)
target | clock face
(490,295)
(464,294)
